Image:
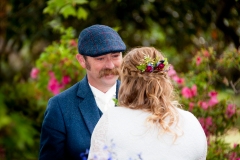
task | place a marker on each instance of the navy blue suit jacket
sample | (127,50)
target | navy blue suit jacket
(68,123)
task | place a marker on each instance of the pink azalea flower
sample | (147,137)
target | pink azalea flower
(204,126)
(204,105)
(65,80)
(189,92)
(73,43)
(231,110)
(213,98)
(233,156)
(178,79)
(213,101)
(171,71)
(206,123)
(194,90)
(54,86)
(173,74)
(206,53)
(34,73)
(209,121)
(212,94)
(235,145)
(198,61)
(186,92)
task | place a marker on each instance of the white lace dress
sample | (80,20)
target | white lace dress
(124,134)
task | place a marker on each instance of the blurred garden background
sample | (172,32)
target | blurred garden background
(38,43)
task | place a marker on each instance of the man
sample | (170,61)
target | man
(71,116)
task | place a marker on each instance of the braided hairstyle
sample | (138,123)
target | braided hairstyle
(149,91)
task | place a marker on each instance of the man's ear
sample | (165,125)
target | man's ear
(81,60)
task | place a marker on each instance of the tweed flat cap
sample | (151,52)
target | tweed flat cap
(98,40)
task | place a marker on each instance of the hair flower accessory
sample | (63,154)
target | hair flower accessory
(150,65)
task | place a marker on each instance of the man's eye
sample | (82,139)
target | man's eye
(99,59)
(115,55)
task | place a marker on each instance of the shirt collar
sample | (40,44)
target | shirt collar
(111,93)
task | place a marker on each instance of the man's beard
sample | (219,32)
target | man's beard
(106,72)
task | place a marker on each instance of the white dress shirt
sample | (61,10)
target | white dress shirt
(104,100)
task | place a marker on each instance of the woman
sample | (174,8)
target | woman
(149,123)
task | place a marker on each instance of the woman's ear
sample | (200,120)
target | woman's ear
(81,60)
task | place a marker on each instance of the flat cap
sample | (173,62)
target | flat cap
(98,40)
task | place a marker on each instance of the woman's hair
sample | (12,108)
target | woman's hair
(149,91)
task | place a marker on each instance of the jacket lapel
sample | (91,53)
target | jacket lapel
(117,88)
(88,107)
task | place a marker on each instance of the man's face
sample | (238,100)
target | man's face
(102,71)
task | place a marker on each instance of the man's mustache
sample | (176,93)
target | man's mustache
(106,72)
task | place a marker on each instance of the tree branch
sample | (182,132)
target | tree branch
(234,86)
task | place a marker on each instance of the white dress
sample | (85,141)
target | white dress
(124,134)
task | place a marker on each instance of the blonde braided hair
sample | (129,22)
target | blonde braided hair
(148,91)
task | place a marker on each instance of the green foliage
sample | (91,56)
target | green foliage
(173,26)
(58,61)
(20,122)
(229,59)
(220,150)
(66,8)
(115,101)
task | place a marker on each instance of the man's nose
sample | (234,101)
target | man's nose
(109,64)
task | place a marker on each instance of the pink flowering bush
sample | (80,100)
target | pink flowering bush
(189,92)
(199,93)
(57,68)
